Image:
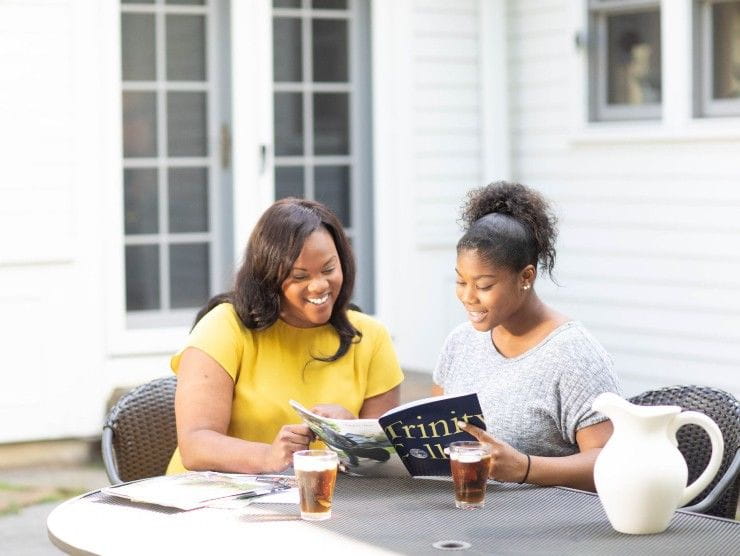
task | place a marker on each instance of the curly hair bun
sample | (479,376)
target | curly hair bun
(520,203)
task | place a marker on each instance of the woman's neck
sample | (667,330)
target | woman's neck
(526,328)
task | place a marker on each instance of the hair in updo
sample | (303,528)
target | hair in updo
(509,225)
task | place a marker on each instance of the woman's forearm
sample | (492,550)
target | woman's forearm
(209,450)
(576,471)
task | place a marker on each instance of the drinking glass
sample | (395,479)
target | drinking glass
(316,475)
(471,464)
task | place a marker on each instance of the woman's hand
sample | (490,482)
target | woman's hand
(508,465)
(332,411)
(289,439)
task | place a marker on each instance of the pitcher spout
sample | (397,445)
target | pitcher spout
(611,405)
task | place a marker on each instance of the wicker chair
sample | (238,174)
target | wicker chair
(139,434)
(721,495)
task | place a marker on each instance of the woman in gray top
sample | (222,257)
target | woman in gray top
(535,370)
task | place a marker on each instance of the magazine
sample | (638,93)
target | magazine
(197,489)
(407,440)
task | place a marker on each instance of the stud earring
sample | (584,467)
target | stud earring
(526,286)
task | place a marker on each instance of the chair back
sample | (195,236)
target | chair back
(139,435)
(693,441)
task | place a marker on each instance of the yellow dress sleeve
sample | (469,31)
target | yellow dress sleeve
(384,372)
(220,335)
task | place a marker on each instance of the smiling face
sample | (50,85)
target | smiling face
(490,294)
(311,289)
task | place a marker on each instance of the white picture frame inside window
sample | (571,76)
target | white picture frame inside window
(717,56)
(624,55)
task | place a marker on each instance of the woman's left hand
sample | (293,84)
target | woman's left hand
(508,465)
(332,411)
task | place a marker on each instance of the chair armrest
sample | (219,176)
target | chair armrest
(719,489)
(109,459)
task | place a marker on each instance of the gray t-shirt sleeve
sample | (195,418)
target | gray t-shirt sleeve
(442,370)
(589,373)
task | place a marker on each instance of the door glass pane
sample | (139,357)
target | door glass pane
(186,124)
(286,49)
(137,47)
(288,124)
(331,123)
(289,182)
(330,4)
(331,184)
(726,50)
(186,48)
(139,124)
(187,194)
(189,282)
(142,277)
(634,58)
(141,201)
(330,50)
(286,3)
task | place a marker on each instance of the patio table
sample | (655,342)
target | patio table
(382,516)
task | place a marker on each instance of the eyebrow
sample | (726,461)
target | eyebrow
(479,276)
(328,261)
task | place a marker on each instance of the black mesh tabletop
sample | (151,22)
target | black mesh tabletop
(407,516)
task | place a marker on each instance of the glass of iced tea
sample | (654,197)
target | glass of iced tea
(316,474)
(471,464)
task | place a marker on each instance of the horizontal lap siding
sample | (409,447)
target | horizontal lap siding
(648,254)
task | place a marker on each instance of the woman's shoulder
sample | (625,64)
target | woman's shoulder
(572,340)
(365,323)
(221,317)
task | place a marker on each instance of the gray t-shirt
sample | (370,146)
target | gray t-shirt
(537,401)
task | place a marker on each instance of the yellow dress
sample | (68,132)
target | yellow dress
(271,366)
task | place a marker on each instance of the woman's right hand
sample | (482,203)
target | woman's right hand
(289,439)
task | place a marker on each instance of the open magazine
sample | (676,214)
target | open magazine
(196,489)
(408,439)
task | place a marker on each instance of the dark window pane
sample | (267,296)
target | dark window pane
(331,186)
(726,50)
(286,49)
(139,124)
(186,2)
(330,4)
(330,49)
(286,3)
(186,47)
(187,124)
(331,123)
(142,277)
(187,193)
(140,201)
(288,124)
(634,58)
(288,182)
(189,282)
(137,47)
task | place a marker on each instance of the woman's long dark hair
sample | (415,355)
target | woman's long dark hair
(273,247)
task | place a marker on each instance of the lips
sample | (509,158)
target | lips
(477,316)
(318,300)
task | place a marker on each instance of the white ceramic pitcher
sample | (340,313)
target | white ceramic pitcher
(640,475)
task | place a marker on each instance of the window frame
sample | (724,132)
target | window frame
(706,106)
(165,316)
(599,110)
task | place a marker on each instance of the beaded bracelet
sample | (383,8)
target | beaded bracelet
(529,463)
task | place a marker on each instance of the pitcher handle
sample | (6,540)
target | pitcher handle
(718,447)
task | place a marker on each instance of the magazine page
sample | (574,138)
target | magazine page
(420,431)
(196,489)
(362,446)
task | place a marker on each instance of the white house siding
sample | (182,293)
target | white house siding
(54,195)
(648,254)
(428,151)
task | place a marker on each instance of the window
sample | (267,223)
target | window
(321,115)
(169,167)
(718,57)
(624,60)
